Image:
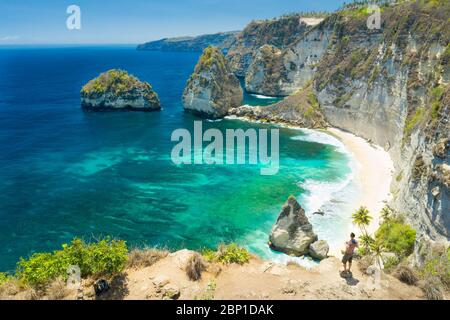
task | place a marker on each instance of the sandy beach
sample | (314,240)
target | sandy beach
(373,175)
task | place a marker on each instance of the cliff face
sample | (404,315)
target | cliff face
(212,89)
(264,71)
(222,40)
(289,69)
(276,32)
(390,86)
(116,90)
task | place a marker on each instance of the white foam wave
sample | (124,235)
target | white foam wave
(260,96)
(311,135)
(319,192)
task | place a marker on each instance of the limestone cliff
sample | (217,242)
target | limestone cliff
(390,86)
(275,32)
(117,90)
(212,89)
(284,72)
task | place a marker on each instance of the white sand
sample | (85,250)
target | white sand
(373,175)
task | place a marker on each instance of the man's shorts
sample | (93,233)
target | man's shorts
(347,258)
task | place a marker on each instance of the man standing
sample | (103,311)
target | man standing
(350,247)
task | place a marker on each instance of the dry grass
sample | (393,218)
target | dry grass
(140,258)
(9,289)
(57,290)
(195,266)
(432,289)
(365,262)
(32,294)
(406,275)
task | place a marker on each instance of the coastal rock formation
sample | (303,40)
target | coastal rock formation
(292,233)
(283,72)
(117,90)
(278,32)
(222,40)
(212,89)
(264,71)
(388,85)
(393,88)
(319,250)
(300,109)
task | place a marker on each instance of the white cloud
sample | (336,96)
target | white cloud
(9,38)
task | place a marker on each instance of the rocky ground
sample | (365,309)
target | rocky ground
(258,279)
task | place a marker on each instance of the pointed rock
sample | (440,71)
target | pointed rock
(292,233)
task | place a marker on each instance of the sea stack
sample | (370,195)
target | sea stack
(292,233)
(118,90)
(212,89)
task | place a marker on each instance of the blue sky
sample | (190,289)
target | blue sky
(136,21)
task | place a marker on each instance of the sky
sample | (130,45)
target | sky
(137,21)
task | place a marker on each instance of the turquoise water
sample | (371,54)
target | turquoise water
(68,173)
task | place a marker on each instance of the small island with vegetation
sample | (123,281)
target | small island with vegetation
(118,90)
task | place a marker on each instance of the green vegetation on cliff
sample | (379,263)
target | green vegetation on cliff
(396,236)
(104,257)
(227,254)
(117,83)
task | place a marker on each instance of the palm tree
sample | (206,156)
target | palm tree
(378,249)
(362,218)
(366,241)
(386,213)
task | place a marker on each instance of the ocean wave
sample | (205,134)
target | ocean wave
(319,193)
(310,135)
(260,96)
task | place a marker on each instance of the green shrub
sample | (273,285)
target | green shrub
(209,255)
(232,253)
(396,237)
(3,278)
(107,257)
(227,254)
(390,263)
(41,268)
(103,257)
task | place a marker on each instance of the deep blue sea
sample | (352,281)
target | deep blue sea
(67,173)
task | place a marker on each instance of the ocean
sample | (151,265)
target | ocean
(68,173)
